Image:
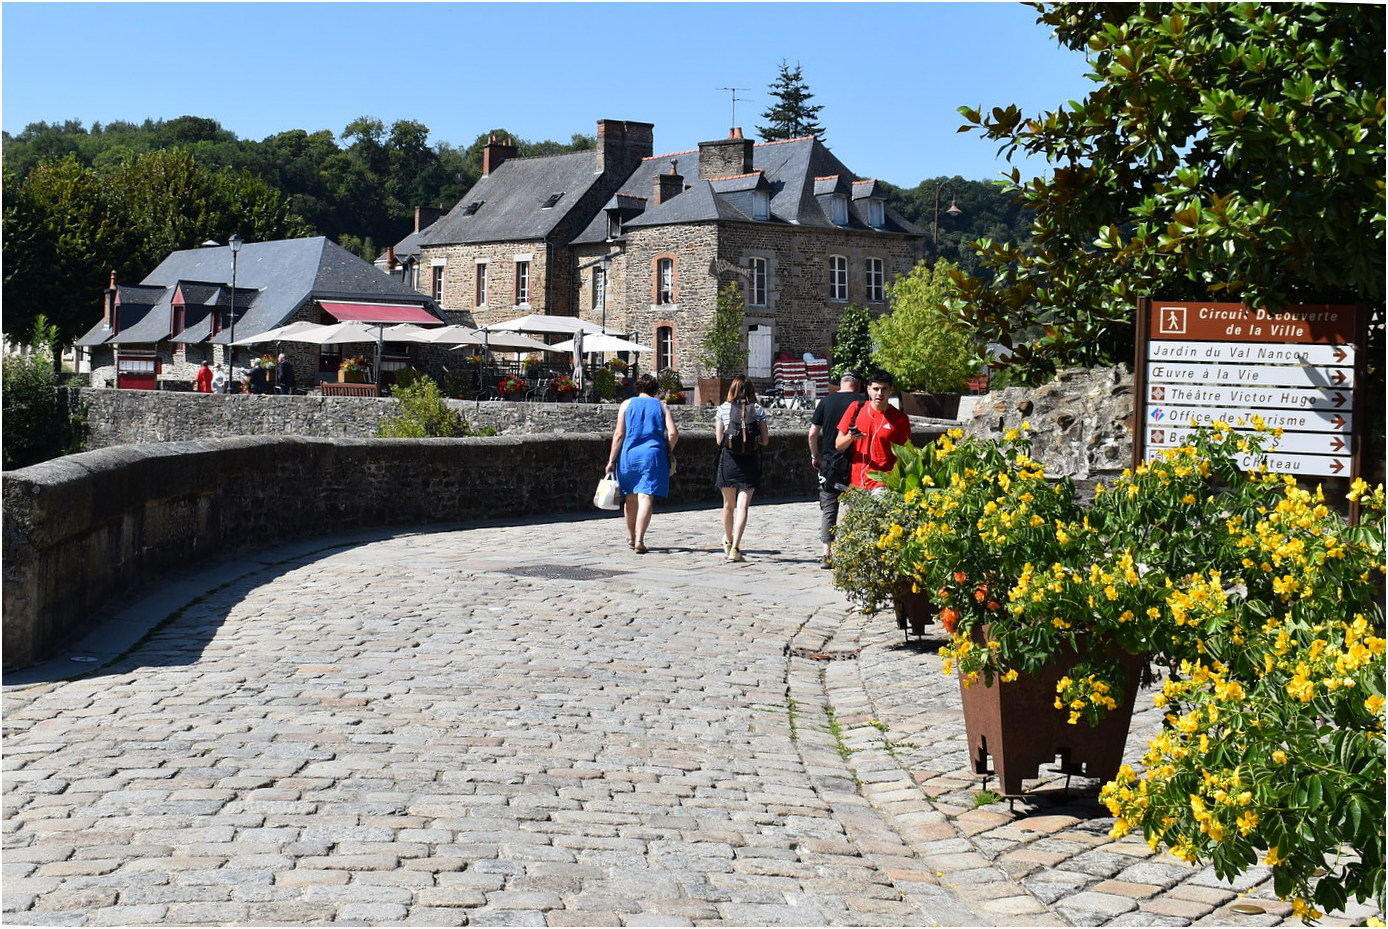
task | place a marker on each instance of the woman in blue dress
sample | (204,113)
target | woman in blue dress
(641,444)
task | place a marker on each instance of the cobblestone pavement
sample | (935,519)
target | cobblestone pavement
(531,725)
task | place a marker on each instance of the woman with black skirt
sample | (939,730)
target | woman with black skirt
(741,430)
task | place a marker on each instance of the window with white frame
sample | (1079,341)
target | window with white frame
(838,210)
(522,282)
(480,297)
(761,204)
(838,278)
(877,214)
(756,282)
(599,288)
(664,347)
(876,280)
(665,281)
(437,288)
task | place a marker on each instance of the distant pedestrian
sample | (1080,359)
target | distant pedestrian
(871,431)
(824,431)
(257,384)
(202,381)
(642,443)
(219,380)
(740,429)
(284,376)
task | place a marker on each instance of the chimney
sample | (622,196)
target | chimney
(726,157)
(495,152)
(426,216)
(108,303)
(667,186)
(391,263)
(622,144)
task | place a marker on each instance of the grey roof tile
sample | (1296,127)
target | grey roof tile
(513,198)
(273,280)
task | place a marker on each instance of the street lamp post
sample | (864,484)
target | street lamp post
(235,243)
(952,211)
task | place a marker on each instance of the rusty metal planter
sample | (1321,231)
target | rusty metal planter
(1018,725)
(914,611)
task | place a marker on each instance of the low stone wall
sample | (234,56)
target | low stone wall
(82,529)
(132,417)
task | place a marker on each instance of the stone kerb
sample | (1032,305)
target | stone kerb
(83,529)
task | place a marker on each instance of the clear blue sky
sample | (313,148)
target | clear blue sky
(889,76)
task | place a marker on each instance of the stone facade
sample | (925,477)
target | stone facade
(706,215)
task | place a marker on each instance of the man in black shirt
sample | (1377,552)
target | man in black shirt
(823,433)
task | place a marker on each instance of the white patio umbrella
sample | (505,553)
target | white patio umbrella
(279,333)
(335,334)
(602,343)
(551,325)
(408,332)
(501,341)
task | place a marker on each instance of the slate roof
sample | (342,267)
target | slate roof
(273,280)
(790,170)
(512,199)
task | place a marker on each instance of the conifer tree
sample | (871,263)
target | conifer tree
(791,116)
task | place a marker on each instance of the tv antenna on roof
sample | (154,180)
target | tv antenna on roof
(733,91)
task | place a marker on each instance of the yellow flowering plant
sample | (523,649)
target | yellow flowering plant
(1261,605)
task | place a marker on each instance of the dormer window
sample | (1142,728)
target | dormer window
(551,201)
(614,224)
(761,204)
(877,213)
(838,210)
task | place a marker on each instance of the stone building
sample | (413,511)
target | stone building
(157,332)
(643,243)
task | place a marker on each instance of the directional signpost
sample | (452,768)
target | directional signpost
(1296,368)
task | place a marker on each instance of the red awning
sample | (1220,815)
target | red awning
(379,312)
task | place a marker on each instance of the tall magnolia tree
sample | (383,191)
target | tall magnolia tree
(1228,151)
(791,115)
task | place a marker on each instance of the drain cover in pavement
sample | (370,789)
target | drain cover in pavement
(563,572)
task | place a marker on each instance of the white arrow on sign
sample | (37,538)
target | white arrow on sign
(1250,374)
(1312,443)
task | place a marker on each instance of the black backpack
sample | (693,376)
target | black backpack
(746,439)
(836,467)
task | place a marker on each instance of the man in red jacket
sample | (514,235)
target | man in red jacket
(202,381)
(873,431)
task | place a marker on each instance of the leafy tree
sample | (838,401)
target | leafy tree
(917,341)
(1232,151)
(853,343)
(66,227)
(30,400)
(984,211)
(792,115)
(723,348)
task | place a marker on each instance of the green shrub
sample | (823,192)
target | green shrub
(29,388)
(423,413)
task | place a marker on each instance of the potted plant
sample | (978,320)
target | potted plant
(931,355)
(995,538)
(1270,607)
(723,348)
(669,387)
(869,553)
(510,387)
(565,387)
(352,370)
(605,384)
